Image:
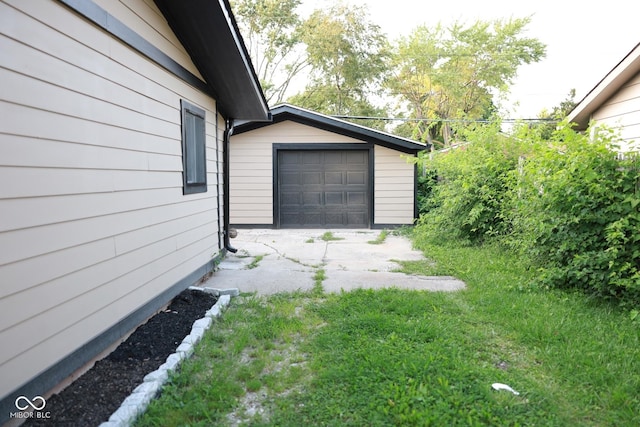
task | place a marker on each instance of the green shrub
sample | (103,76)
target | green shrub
(473,180)
(575,212)
(426,182)
(569,205)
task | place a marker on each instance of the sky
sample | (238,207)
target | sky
(584,42)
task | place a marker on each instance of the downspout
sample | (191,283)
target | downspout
(228,131)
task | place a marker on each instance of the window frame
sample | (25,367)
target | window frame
(194,148)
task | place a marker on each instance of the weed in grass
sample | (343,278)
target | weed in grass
(297,261)
(253,385)
(318,278)
(328,236)
(422,268)
(255,262)
(242,253)
(380,239)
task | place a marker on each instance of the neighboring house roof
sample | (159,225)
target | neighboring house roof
(210,34)
(284,112)
(608,86)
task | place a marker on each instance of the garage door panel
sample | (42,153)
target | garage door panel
(290,198)
(313,219)
(334,219)
(290,178)
(311,158)
(311,198)
(311,178)
(356,178)
(333,158)
(356,199)
(334,178)
(289,158)
(323,188)
(357,219)
(290,218)
(334,198)
(357,157)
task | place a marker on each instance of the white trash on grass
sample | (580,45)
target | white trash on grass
(500,386)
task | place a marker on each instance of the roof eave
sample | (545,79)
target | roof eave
(289,112)
(605,89)
(209,33)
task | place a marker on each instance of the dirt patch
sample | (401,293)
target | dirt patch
(92,398)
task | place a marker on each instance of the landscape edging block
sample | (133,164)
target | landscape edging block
(139,400)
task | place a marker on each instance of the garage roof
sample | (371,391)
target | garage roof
(284,112)
(209,32)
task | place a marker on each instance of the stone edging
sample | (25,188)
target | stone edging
(141,396)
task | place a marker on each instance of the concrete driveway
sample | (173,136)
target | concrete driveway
(270,261)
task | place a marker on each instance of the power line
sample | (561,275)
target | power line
(404,119)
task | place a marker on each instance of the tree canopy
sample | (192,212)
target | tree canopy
(457,72)
(430,78)
(347,56)
(271,32)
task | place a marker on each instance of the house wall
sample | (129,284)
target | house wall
(622,111)
(251,174)
(146,18)
(93,222)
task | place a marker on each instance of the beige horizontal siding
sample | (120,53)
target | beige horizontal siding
(394,187)
(54,181)
(292,132)
(70,234)
(622,111)
(95,218)
(149,23)
(27,309)
(250,179)
(94,50)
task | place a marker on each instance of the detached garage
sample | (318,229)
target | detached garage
(308,170)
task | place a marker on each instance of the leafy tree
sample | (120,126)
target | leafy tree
(271,29)
(348,59)
(444,74)
(556,115)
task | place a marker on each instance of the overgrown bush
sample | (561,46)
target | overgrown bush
(575,212)
(473,180)
(570,205)
(426,181)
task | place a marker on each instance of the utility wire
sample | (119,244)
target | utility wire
(403,119)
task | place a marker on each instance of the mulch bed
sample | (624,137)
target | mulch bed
(92,398)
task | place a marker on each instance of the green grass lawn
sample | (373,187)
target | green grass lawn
(395,357)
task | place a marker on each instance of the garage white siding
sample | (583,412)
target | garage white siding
(394,196)
(93,223)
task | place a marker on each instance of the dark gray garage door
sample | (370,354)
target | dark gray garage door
(323,189)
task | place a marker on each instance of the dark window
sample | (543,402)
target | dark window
(194,160)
